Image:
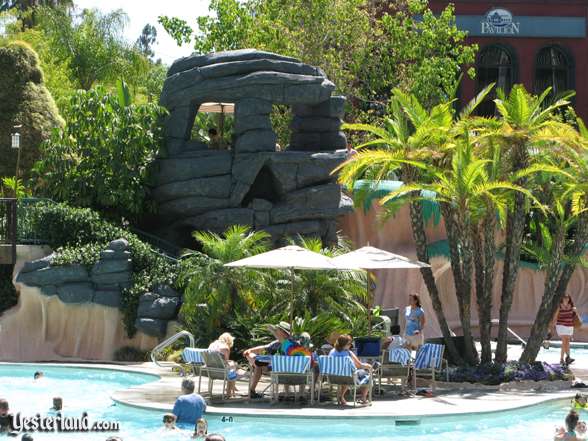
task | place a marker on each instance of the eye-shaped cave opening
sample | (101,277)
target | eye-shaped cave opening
(214,125)
(265,186)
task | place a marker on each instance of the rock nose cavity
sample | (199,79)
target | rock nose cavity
(250,183)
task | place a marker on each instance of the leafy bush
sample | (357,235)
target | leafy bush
(79,234)
(100,159)
(8,296)
(497,373)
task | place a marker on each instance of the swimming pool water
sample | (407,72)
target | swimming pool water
(89,390)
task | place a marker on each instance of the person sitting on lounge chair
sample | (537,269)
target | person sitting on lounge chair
(223,346)
(281,332)
(343,349)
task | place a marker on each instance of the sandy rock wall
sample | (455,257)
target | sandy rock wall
(42,327)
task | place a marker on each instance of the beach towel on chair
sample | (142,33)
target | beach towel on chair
(426,354)
(399,355)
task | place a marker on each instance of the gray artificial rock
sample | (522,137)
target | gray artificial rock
(261,219)
(75,293)
(121,278)
(190,206)
(246,166)
(293,228)
(220,220)
(252,106)
(256,141)
(111,266)
(253,122)
(118,245)
(333,141)
(315,124)
(333,107)
(48,290)
(238,192)
(166,291)
(37,264)
(214,187)
(151,327)
(114,255)
(319,196)
(198,165)
(179,121)
(288,213)
(54,275)
(305,141)
(161,308)
(261,204)
(110,297)
(244,67)
(195,60)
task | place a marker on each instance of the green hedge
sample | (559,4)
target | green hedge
(79,234)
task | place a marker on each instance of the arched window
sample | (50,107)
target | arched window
(553,68)
(495,65)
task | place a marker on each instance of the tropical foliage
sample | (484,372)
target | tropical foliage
(243,301)
(486,174)
(100,159)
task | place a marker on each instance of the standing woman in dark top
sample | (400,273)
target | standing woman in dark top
(564,325)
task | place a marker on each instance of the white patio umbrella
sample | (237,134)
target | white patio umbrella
(221,109)
(371,258)
(291,257)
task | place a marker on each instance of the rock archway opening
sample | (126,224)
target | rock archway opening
(265,186)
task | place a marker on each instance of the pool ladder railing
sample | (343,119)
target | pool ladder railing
(161,346)
(514,334)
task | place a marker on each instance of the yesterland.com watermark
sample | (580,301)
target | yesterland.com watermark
(61,423)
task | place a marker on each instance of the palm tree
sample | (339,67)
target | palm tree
(222,289)
(523,122)
(564,233)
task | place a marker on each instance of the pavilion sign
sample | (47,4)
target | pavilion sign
(499,22)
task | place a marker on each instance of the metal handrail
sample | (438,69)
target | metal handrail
(514,334)
(157,349)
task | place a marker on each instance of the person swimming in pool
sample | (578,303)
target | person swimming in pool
(169,421)
(575,430)
(38,375)
(57,404)
(201,429)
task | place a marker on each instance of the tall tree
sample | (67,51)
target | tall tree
(146,40)
(523,117)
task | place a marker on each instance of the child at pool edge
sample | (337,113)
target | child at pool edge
(38,375)
(580,401)
(169,421)
(201,428)
(575,430)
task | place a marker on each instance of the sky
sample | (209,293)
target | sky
(141,12)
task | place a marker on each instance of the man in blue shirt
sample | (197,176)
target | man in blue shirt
(189,406)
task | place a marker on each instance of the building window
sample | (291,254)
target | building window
(495,65)
(554,68)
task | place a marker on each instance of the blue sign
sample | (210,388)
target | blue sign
(501,23)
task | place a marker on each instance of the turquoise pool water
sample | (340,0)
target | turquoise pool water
(89,390)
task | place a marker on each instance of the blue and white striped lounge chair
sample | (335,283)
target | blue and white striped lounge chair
(291,370)
(193,356)
(429,363)
(341,371)
(395,364)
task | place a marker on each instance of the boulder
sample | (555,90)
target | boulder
(75,292)
(111,266)
(333,107)
(219,220)
(256,141)
(110,297)
(118,245)
(253,122)
(246,166)
(152,327)
(244,67)
(305,141)
(261,219)
(166,291)
(114,255)
(161,308)
(201,164)
(315,124)
(179,121)
(37,264)
(320,196)
(54,275)
(213,187)
(121,278)
(290,229)
(252,106)
(261,204)
(190,206)
(195,60)
(333,141)
(288,213)
(48,290)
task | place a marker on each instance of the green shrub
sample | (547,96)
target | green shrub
(79,234)
(8,296)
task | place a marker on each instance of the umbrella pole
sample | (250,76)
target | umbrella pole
(293,299)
